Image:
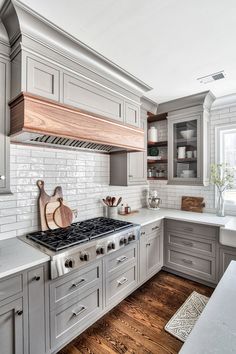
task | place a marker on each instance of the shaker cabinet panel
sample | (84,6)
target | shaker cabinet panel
(227,254)
(4,121)
(132,114)
(86,96)
(42,79)
(11,327)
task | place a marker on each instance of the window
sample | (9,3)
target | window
(226,153)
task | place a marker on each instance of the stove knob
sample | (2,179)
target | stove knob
(125,240)
(84,257)
(111,246)
(122,241)
(100,250)
(131,237)
(69,263)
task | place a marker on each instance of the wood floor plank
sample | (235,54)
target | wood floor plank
(136,325)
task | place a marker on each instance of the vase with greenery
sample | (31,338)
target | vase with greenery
(222,176)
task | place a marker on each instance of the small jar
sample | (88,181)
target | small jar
(157,173)
(149,173)
(152,135)
(161,173)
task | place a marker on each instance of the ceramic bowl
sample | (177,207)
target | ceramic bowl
(187,134)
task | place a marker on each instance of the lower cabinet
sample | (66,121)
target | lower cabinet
(226,255)
(37,310)
(150,250)
(191,249)
(11,327)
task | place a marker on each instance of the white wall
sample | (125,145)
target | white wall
(84,178)
(171,195)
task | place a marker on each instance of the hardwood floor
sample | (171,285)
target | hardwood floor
(136,325)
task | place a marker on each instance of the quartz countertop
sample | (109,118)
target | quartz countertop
(146,216)
(215,330)
(16,256)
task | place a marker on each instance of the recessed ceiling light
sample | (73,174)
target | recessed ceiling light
(212,77)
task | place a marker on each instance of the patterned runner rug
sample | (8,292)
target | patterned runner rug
(183,321)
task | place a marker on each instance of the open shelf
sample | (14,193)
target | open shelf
(157,178)
(156,117)
(186,160)
(158,161)
(159,143)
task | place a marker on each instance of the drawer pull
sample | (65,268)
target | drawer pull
(188,243)
(155,228)
(148,244)
(19,312)
(36,277)
(75,285)
(122,281)
(122,259)
(83,308)
(188,229)
(143,233)
(187,261)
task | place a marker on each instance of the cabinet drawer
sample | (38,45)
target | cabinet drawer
(193,244)
(75,315)
(11,286)
(192,228)
(42,78)
(69,286)
(121,259)
(151,228)
(117,287)
(199,267)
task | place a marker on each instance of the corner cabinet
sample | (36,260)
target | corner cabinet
(4,122)
(189,145)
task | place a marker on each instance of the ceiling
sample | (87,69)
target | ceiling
(166,43)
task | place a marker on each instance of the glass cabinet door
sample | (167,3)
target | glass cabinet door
(185,149)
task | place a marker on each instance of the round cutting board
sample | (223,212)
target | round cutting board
(63,215)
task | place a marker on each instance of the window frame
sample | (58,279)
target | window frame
(220,131)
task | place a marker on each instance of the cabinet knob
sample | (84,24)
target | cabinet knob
(131,176)
(2,177)
(19,312)
(37,278)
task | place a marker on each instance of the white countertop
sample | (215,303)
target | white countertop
(146,216)
(215,330)
(16,255)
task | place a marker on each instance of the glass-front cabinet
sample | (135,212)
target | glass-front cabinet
(188,147)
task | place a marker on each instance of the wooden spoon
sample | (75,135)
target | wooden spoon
(119,200)
(113,200)
(63,215)
(108,199)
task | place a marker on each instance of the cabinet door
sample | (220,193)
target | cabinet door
(132,114)
(36,311)
(153,249)
(185,150)
(42,78)
(4,120)
(142,257)
(11,327)
(227,255)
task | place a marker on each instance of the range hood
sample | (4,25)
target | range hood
(36,120)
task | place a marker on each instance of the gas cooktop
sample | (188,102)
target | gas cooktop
(77,233)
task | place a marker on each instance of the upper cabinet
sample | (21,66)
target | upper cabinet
(4,115)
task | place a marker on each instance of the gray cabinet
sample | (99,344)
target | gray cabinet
(132,114)
(226,255)
(191,249)
(37,310)
(11,327)
(42,78)
(4,126)
(150,250)
(129,168)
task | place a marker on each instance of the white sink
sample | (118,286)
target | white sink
(228,234)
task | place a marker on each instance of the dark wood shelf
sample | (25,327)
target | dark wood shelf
(158,178)
(186,160)
(159,143)
(156,117)
(158,161)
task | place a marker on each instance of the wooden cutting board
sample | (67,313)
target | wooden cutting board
(44,198)
(63,215)
(195,204)
(49,214)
